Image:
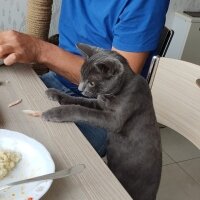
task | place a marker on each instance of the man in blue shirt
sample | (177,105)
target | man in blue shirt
(130,27)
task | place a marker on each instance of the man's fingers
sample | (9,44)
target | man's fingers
(11,59)
(5,50)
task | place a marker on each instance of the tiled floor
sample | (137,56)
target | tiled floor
(181,168)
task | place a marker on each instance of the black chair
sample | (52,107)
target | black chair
(165,40)
(163,45)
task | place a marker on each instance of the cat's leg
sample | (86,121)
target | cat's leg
(77,113)
(146,191)
(64,99)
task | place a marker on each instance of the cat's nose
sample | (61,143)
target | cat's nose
(80,87)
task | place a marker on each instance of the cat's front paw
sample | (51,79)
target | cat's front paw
(53,94)
(53,115)
(56,95)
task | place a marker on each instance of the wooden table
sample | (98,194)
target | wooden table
(64,141)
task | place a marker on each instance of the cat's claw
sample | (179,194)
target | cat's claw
(56,95)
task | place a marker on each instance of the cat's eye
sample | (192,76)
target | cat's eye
(91,84)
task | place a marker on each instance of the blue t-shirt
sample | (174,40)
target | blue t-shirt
(127,25)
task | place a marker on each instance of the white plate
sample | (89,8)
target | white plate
(35,161)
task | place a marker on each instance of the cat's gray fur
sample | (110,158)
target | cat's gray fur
(124,107)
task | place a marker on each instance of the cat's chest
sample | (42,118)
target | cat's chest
(107,102)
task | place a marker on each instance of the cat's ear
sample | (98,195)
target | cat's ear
(111,69)
(87,50)
(103,68)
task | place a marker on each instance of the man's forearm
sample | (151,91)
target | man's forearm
(19,47)
(61,61)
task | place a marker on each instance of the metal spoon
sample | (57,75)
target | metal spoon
(59,174)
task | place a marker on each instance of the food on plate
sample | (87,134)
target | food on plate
(8,161)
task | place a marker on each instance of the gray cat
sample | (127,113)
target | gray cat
(120,101)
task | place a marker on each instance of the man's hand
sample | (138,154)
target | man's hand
(19,47)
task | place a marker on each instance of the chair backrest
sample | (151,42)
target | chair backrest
(175,87)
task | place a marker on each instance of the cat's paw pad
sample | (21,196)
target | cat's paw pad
(53,94)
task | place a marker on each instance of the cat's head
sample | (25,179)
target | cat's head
(102,71)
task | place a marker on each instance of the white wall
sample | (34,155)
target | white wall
(13,12)
(13,15)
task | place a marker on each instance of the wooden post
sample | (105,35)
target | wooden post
(39,18)
(38,23)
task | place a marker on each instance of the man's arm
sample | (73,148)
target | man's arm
(18,47)
(61,61)
(136,60)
